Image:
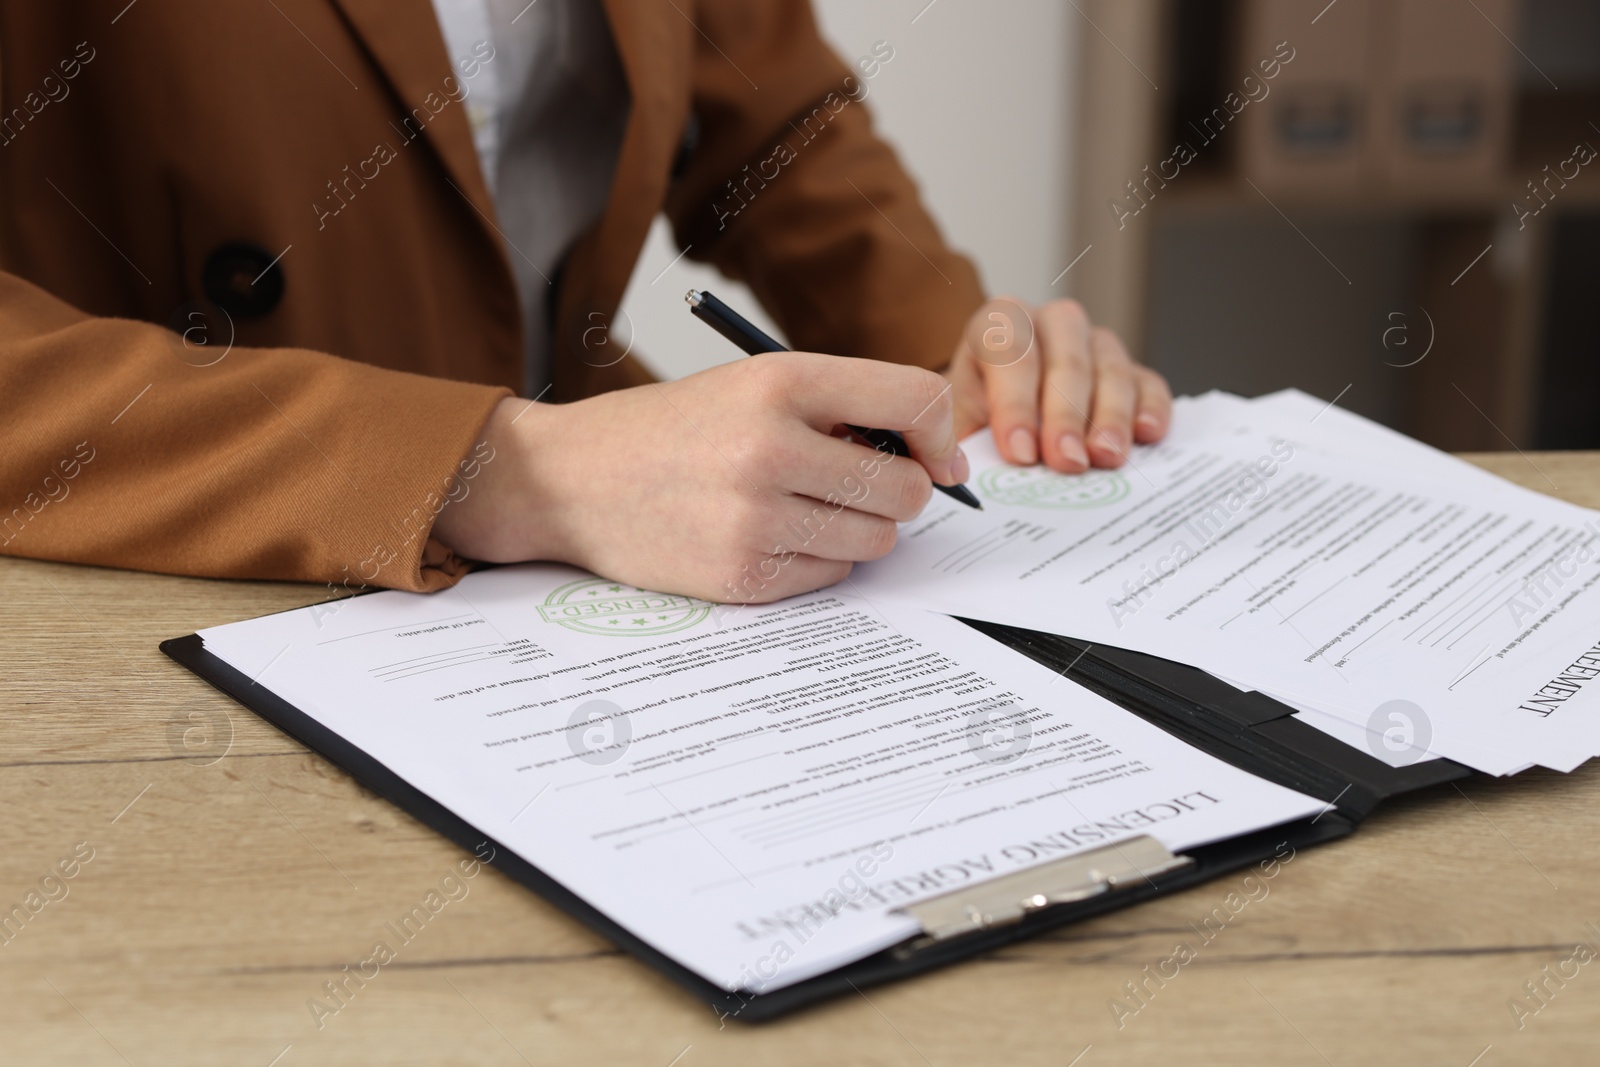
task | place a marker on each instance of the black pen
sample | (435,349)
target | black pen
(742,332)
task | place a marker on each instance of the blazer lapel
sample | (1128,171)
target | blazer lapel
(653,40)
(404,40)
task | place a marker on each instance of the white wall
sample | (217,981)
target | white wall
(978,101)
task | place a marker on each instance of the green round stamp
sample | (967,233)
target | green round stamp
(600,606)
(1040,487)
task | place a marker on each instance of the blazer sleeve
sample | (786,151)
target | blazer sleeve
(787,188)
(119,446)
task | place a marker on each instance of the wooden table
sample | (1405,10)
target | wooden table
(233,874)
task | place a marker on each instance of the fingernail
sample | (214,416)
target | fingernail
(1072,450)
(960,469)
(1022,448)
(1148,424)
(1106,441)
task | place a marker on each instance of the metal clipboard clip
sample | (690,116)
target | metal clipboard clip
(1012,897)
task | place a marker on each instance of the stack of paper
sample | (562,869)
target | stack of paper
(754,792)
(1399,598)
(757,792)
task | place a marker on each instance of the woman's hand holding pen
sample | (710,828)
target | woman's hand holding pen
(730,484)
(1054,388)
(735,484)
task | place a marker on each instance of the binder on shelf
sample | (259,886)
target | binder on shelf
(1313,132)
(1248,730)
(1410,96)
(1446,125)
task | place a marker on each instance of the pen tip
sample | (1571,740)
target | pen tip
(694,298)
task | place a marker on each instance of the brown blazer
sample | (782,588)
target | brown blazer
(159,156)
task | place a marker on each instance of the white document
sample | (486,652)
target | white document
(1344,433)
(753,791)
(1342,584)
(1393,735)
(1394,732)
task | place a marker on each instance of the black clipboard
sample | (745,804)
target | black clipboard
(1250,731)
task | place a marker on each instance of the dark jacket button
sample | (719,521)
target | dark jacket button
(686,146)
(242,279)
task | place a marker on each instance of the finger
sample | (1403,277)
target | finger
(811,527)
(1154,408)
(1116,391)
(971,405)
(966,380)
(860,477)
(1068,385)
(827,390)
(1002,340)
(781,574)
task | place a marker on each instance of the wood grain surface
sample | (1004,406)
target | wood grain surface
(233,873)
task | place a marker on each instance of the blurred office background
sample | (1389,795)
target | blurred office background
(1405,215)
